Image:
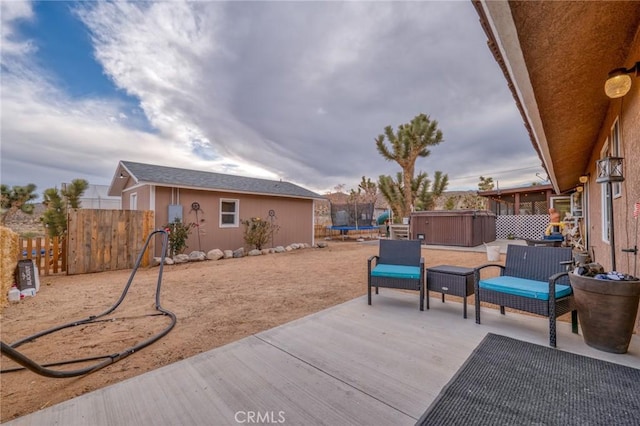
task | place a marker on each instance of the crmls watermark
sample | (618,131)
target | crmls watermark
(262,417)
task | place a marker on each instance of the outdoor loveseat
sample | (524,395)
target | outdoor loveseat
(534,279)
(399,264)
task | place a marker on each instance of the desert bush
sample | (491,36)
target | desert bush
(257,232)
(178,234)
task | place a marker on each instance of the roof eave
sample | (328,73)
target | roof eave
(228,191)
(495,18)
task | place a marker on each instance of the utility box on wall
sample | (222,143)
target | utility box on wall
(466,228)
(175,212)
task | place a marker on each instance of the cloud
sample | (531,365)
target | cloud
(292,90)
(12,12)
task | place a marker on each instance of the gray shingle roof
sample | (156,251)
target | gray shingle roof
(171,176)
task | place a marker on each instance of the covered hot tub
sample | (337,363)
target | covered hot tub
(465,228)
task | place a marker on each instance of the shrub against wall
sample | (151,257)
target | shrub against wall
(258,232)
(8,250)
(178,234)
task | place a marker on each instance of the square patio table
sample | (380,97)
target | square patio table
(447,279)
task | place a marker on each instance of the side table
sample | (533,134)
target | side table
(454,280)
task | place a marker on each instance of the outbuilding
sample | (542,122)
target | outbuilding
(216,203)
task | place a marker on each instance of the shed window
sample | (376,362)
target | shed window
(229,213)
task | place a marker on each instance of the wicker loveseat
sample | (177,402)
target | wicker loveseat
(534,279)
(399,264)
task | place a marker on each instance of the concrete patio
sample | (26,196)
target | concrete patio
(352,364)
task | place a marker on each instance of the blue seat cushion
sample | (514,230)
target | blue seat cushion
(523,287)
(396,271)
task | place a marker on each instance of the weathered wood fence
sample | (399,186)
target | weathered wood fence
(107,240)
(48,254)
(96,241)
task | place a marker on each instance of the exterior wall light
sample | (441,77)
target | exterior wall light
(609,170)
(618,83)
(584,179)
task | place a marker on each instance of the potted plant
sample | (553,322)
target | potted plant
(607,304)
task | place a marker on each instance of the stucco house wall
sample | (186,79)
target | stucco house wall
(556,57)
(293,216)
(627,111)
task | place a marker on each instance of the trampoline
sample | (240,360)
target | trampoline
(344,230)
(353,228)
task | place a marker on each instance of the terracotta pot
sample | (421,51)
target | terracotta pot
(606,311)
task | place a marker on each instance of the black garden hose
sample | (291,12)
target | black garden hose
(10,351)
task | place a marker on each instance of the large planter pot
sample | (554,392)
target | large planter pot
(607,311)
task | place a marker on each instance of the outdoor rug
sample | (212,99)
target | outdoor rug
(509,382)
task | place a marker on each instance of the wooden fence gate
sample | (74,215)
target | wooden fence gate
(107,240)
(48,253)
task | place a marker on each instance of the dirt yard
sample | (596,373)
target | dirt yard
(216,302)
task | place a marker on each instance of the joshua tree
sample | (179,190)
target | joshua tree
(422,191)
(58,202)
(427,191)
(412,140)
(74,191)
(392,191)
(485,184)
(17,198)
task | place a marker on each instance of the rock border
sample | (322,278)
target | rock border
(218,254)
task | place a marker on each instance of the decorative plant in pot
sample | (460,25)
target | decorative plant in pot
(607,304)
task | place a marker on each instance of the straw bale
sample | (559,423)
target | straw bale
(8,262)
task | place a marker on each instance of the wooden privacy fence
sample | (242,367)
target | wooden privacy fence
(107,240)
(48,254)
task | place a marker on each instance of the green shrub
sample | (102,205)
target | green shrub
(258,232)
(178,234)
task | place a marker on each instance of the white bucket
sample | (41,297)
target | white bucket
(493,253)
(28,292)
(14,294)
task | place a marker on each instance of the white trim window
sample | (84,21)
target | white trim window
(615,151)
(229,213)
(133,201)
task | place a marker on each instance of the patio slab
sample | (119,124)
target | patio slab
(352,364)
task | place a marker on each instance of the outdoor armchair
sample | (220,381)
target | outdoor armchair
(400,265)
(534,279)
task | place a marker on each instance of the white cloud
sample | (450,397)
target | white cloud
(10,13)
(293,90)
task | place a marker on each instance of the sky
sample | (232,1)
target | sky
(296,91)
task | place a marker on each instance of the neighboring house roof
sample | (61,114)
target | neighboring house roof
(174,177)
(518,190)
(556,57)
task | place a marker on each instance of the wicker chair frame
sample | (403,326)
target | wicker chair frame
(547,264)
(397,252)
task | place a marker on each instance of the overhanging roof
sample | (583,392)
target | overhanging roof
(195,179)
(556,56)
(519,190)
